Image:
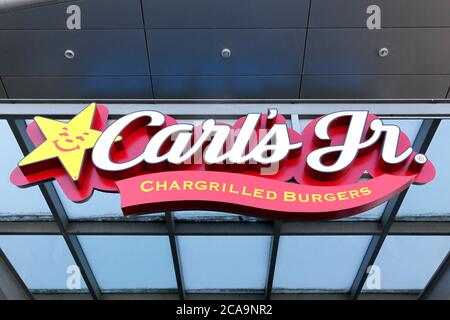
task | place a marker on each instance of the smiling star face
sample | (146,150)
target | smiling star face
(70,140)
(66,141)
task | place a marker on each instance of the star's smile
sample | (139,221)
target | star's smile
(55,142)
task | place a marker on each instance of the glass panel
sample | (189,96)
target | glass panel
(12,205)
(303,124)
(427,201)
(409,127)
(318,262)
(130,262)
(407,262)
(370,215)
(43,262)
(224,262)
(101,206)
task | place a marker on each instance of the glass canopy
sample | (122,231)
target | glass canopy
(186,253)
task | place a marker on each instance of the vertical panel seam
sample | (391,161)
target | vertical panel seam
(147,48)
(304,49)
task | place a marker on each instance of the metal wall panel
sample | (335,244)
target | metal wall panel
(226,14)
(374,86)
(95,14)
(114,52)
(253,52)
(231,87)
(394,13)
(356,51)
(79,87)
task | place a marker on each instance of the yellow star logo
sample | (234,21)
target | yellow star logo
(66,141)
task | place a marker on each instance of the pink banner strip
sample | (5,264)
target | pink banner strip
(256,196)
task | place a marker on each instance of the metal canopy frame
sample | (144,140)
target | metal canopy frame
(226,109)
(432,111)
(11,285)
(421,144)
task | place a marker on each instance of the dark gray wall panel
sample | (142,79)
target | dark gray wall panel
(355,51)
(231,87)
(95,14)
(394,13)
(115,52)
(2,91)
(374,87)
(253,52)
(79,87)
(225,14)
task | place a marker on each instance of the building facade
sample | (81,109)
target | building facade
(190,61)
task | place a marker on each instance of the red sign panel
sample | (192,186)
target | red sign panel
(341,164)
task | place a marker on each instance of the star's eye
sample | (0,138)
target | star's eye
(64,134)
(69,140)
(80,138)
(86,133)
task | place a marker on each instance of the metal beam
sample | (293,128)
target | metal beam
(290,228)
(28,228)
(11,285)
(420,228)
(438,288)
(175,254)
(273,258)
(117,228)
(59,214)
(421,144)
(223,228)
(330,228)
(224,109)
